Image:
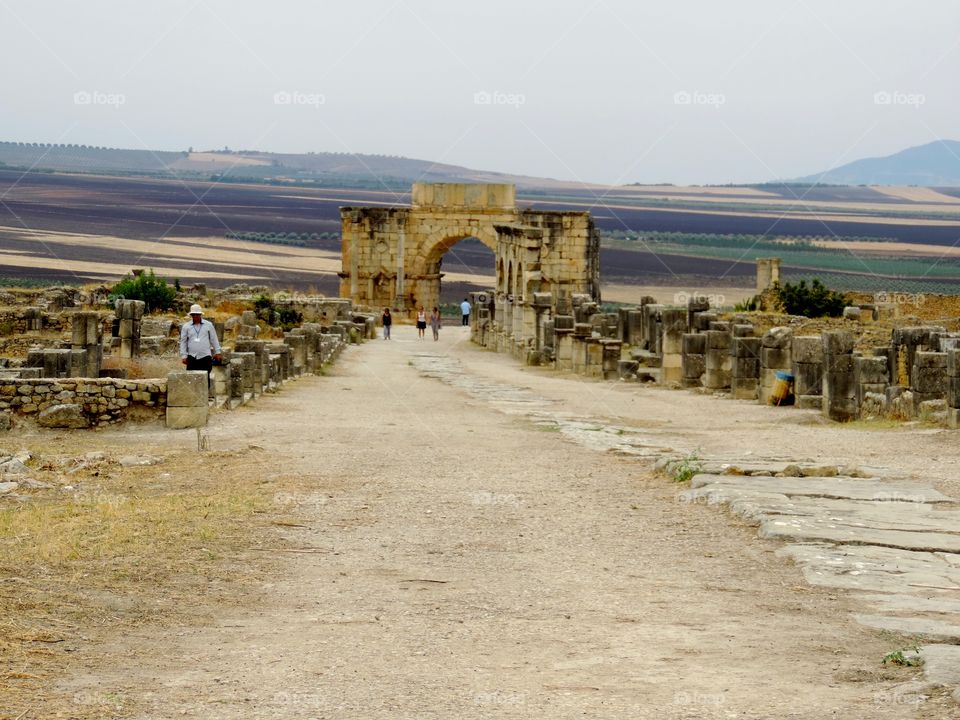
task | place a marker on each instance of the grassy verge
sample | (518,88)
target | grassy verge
(108,547)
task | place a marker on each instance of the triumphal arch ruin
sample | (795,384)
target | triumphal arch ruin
(392,255)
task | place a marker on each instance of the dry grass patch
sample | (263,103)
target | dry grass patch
(111,547)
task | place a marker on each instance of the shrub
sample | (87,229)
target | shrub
(814,301)
(749,304)
(285,318)
(146,286)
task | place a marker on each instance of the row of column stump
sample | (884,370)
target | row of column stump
(918,374)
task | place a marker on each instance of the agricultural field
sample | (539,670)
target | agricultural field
(95,228)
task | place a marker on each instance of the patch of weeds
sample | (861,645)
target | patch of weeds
(898,657)
(683,470)
(547,427)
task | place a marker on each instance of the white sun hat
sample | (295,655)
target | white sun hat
(196,309)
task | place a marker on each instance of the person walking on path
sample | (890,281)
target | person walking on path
(421,322)
(435,323)
(465,312)
(199,345)
(387,321)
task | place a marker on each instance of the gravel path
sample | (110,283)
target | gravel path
(483,540)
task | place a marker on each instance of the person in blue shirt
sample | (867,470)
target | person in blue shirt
(465,311)
(199,345)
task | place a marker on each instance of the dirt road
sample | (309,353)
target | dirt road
(459,560)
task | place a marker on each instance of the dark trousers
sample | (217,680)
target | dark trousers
(466,320)
(204,363)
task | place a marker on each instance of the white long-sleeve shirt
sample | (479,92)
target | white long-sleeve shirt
(199,340)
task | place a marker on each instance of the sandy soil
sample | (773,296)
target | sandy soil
(460,561)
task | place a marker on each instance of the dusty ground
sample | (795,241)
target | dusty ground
(449,557)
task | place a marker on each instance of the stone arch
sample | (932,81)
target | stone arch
(392,255)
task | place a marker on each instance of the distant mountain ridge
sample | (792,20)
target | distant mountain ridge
(936,164)
(319,169)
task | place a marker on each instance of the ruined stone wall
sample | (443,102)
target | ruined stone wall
(101,401)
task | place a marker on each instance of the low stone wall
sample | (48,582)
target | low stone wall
(96,402)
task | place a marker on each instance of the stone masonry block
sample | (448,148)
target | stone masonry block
(186,417)
(807,349)
(930,360)
(871,370)
(746,347)
(694,343)
(775,357)
(808,378)
(187,389)
(837,342)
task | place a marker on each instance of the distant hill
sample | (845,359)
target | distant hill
(936,164)
(312,169)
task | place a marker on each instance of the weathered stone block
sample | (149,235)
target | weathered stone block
(187,389)
(694,343)
(744,388)
(953,366)
(778,337)
(62,416)
(930,380)
(807,349)
(694,366)
(746,347)
(186,417)
(746,367)
(841,409)
(839,385)
(808,378)
(838,363)
(718,340)
(837,342)
(930,360)
(775,357)
(871,370)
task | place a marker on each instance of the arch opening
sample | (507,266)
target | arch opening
(464,264)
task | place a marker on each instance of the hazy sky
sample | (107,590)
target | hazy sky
(602,91)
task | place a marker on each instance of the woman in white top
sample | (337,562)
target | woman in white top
(421,322)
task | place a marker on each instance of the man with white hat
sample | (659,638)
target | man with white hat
(199,345)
